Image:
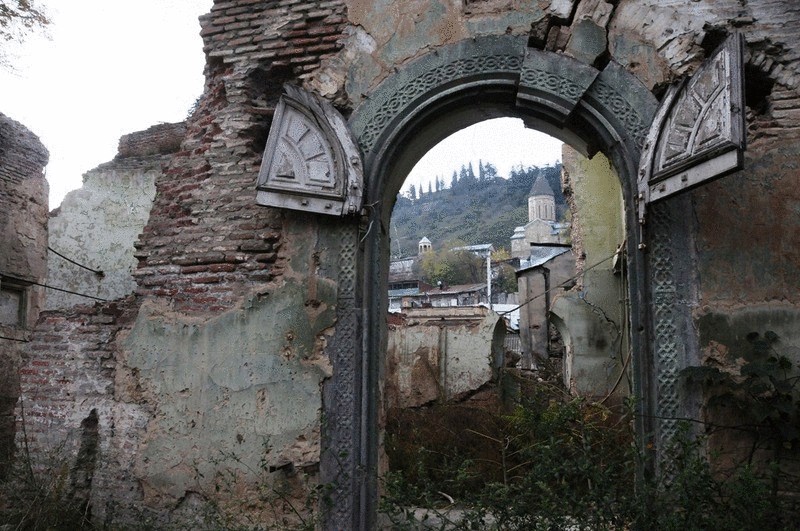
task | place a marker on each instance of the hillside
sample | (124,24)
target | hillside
(472,210)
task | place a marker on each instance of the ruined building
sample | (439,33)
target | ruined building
(23,261)
(248,344)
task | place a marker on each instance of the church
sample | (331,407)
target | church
(542,226)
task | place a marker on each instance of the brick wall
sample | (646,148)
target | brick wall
(206,239)
(288,33)
(23,253)
(156,140)
(23,201)
(67,388)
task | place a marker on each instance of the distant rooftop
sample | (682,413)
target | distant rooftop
(453,290)
(408,292)
(479,248)
(540,255)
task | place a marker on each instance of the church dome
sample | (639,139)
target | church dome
(541,187)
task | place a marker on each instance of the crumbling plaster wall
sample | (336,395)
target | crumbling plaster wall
(655,40)
(23,210)
(591,317)
(213,267)
(441,354)
(214,270)
(534,322)
(97,225)
(748,266)
(23,248)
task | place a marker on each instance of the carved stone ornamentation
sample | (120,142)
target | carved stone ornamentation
(700,134)
(553,82)
(311,162)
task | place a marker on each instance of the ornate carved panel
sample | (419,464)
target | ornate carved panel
(664,293)
(310,162)
(701,135)
(340,461)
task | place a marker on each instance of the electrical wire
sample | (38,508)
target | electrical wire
(33,283)
(560,285)
(15,339)
(71,261)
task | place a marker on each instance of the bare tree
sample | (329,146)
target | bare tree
(18,19)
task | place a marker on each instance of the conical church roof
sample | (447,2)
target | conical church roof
(541,187)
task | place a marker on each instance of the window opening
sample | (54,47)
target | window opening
(12,302)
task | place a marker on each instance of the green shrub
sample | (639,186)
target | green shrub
(557,462)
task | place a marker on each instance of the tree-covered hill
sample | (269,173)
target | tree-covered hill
(471,209)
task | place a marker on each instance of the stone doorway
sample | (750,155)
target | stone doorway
(592,110)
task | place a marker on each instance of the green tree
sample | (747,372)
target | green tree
(489,172)
(452,267)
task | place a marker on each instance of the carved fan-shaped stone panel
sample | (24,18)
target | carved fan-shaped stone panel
(698,132)
(303,160)
(310,162)
(702,119)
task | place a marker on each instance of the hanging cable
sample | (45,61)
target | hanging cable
(33,283)
(15,339)
(71,261)
(70,292)
(562,284)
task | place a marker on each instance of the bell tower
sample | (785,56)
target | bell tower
(541,201)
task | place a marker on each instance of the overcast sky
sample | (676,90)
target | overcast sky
(112,67)
(505,142)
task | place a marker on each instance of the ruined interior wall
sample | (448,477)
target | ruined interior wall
(429,359)
(534,319)
(744,233)
(591,317)
(213,267)
(748,259)
(226,355)
(213,370)
(23,248)
(23,210)
(98,224)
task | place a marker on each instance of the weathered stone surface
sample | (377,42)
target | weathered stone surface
(591,317)
(260,362)
(587,41)
(441,354)
(23,260)
(23,198)
(548,80)
(217,274)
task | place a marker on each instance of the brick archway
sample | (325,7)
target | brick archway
(594,110)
